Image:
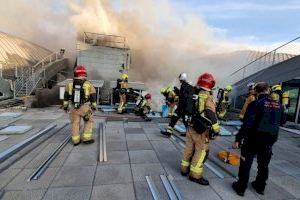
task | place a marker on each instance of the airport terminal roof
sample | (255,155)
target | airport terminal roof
(17,52)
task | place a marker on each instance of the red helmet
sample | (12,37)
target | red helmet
(148,96)
(80,71)
(206,81)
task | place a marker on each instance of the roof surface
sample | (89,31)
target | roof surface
(134,150)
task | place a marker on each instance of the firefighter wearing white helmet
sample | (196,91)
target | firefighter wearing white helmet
(185,105)
(249,98)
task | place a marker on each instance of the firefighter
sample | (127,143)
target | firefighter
(171,99)
(144,107)
(185,105)
(122,93)
(80,98)
(250,97)
(280,96)
(258,134)
(224,102)
(203,121)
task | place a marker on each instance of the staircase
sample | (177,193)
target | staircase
(30,78)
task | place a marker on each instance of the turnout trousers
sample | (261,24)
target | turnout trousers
(195,153)
(75,117)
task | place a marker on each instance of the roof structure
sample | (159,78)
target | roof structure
(137,154)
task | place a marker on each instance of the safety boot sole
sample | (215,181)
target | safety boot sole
(201,181)
(237,191)
(257,190)
(89,141)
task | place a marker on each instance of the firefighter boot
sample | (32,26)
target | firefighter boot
(236,188)
(168,131)
(201,181)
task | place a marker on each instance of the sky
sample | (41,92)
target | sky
(251,21)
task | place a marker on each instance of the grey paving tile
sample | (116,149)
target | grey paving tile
(87,147)
(68,193)
(133,130)
(143,156)
(113,174)
(154,130)
(118,124)
(117,157)
(74,176)
(82,158)
(288,183)
(132,125)
(173,168)
(143,192)
(113,192)
(273,191)
(224,189)
(156,136)
(139,171)
(115,136)
(136,137)
(7,175)
(286,167)
(116,146)
(166,151)
(24,195)
(139,145)
(191,191)
(20,182)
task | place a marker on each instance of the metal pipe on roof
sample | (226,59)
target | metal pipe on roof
(153,188)
(42,168)
(168,187)
(17,147)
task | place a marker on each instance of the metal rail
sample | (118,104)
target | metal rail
(42,168)
(175,189)
(168,187)
(153,188)
(17,147)
(102,143)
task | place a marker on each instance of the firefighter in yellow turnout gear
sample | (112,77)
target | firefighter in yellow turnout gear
(80,98)
(250,97)
(197,137)
(122,93)
(171,99)
(224,102)
(279,96)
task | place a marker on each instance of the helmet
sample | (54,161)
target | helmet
(228,88)
(276,88)
(165,90)
(162,90)
(124,76)
(148,96)
(182,77)
(206,81)
(80,71)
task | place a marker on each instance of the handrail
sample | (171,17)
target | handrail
(265,55)
(30,78)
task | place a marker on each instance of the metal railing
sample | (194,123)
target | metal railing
(27,79)
(282,53)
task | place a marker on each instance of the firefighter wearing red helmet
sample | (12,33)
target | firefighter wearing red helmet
(80,99)
(204,120)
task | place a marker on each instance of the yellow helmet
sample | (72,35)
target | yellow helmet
(228,88)
(166,90)
(124,76)
(276,88)
(163,90)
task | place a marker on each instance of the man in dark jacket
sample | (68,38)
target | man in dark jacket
(258,134)
(185,105)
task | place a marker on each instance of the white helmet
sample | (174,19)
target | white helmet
(251,85)
(182,77)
